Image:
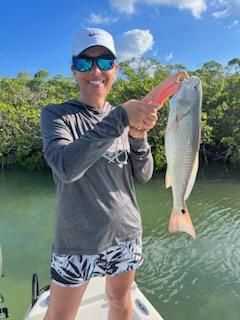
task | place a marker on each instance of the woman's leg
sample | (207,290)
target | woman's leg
(64,302)
(118,292)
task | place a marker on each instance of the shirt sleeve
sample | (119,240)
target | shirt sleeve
(70,159)
(141,158)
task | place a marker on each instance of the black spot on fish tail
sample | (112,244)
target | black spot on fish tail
(183,211)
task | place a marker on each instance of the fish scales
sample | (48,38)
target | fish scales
(182,144)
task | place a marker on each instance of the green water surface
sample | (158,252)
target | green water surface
(184,279)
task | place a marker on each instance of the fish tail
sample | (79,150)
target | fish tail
(181,222)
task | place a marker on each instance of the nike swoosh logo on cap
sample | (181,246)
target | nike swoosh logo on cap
(93,34)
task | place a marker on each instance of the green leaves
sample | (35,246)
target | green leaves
(22,97)
(21,100)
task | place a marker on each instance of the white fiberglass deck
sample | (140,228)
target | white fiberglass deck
(94,305)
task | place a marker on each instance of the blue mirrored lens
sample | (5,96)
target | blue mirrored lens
(83,65)
(105,64)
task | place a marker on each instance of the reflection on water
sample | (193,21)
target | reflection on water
(183,278)
(195,279)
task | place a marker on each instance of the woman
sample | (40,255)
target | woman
(95,150)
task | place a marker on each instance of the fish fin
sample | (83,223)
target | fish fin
(168,180)
(181,222)
(192,176)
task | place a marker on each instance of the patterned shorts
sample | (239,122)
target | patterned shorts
(74,270)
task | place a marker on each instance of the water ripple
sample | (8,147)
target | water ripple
(175,263)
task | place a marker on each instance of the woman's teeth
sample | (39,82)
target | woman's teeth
(96,82)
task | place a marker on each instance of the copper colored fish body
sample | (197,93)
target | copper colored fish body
(182,140)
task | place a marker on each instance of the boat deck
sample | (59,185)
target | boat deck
(95,306)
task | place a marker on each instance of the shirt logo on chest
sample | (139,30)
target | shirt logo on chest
(118,151)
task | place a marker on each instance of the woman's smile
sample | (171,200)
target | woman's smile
(95,84)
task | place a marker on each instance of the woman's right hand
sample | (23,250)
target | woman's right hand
(140,114)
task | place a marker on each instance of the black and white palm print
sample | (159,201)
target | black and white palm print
(74,270)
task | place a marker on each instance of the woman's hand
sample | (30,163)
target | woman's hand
(142,117)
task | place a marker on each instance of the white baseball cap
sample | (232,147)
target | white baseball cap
(91,37)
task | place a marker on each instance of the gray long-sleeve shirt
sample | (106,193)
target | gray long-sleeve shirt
(93,160)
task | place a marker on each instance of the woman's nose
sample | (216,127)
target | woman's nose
(95,68)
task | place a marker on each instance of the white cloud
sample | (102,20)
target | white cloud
(221,14)
(101,19)
(169,56)
(134,43)
(226,8)
(220,8)
(234,24)
(197,7)
(124,6)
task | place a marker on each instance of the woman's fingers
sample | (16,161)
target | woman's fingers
(149,122)
(140,114)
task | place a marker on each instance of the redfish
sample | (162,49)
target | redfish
(182,141)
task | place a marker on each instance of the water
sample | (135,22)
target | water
(183,278)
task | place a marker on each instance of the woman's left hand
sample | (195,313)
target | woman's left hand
(139,133)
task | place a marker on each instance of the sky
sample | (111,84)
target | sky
(37,34)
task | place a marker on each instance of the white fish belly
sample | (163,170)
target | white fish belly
(181,147)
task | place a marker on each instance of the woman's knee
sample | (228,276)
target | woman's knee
(54,314)
(118,299)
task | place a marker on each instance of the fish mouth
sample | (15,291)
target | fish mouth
(193,82)
(193,79)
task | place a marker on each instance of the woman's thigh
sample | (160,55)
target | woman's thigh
(118,287)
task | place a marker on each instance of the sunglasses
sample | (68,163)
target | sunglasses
(85,63)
